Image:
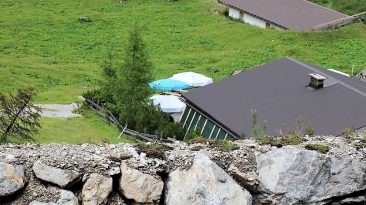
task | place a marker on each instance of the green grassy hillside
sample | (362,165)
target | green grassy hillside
(43,44)
(350,7)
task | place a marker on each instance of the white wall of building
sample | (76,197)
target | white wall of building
(233,13)
(249,19)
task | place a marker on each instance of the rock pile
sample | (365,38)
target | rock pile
(61,174)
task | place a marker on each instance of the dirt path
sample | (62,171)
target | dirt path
(58,110)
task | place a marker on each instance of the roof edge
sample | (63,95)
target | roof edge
(308,29)
(329,9)
(229,5)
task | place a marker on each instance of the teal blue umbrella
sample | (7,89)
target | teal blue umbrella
(168,85)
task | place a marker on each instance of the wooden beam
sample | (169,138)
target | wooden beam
(340,22)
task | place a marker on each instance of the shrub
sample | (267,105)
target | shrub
(293,139)
(193,134)
(222,145)
(309,130)
(318,147)
(348,132)
(226,146)
(289,139)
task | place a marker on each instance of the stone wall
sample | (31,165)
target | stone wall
(65,174)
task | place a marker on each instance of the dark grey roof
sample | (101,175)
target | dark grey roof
(291,14)
(279,93)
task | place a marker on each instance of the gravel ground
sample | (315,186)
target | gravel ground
(58,110)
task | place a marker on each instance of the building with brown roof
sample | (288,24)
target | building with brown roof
(281,92)
(298,15)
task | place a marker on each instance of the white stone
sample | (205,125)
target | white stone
(60,177)
(293,176)
(96,190)
(204,183)
(140,187)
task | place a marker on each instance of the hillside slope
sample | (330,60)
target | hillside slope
(43,44)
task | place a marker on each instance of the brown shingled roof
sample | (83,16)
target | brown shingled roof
(291,14)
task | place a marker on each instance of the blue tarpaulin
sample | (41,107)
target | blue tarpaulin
(168,85)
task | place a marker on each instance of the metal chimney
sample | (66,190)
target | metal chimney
(316,80)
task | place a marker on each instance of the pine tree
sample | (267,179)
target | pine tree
(18,116)
(110,78)
(128,86)
(131,88)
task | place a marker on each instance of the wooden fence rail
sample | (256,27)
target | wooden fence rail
(340,22)
(108,117)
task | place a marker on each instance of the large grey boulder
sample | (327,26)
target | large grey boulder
(60,177)
(12,178)
(293,176)
(97,189)
(140,187)
(204,183)
(66,198)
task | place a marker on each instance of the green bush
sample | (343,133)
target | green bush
(318,147)
(290,139)
(226,146)
(348,132)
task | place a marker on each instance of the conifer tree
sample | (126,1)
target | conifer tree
(18,116)
(131,88)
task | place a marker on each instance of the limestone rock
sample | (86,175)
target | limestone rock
(138,186)
(96,190)
(293,176)
(204,183)
(248,180)
(12,178)
(60,177)
(66,198)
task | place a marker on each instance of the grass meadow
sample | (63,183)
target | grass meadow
(42,44)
